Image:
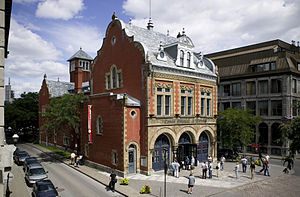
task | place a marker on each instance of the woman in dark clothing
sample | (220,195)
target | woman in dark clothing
(113,180)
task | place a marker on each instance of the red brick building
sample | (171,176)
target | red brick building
(150,95)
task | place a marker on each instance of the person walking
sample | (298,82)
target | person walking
(113,180)
(176,168)
(222,162)
(187,163)
(191,183)
(266,169)
(236,169)
(173,167)
(218,168)
(263,161)
(252,169)
(267,157)
(73,155)
(244,164)
(192,161)
(204,170)
(210,166)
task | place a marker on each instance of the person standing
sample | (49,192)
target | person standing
(173,167)
(244,164)
(236,169)
(176,168)
(267,158)
(252,169)
(192,161)
(218,168)
(113,180)
(204,170)
(187,162)
(267,169)
(210,166)
(222,162)
(73,155)
(191,183)
(209,158)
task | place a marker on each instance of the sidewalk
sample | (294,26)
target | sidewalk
(176,186)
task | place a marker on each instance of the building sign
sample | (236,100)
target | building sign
(90,123)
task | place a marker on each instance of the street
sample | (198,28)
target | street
(70,182)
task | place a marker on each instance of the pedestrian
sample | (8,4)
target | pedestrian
(191,183)
(176,167)
(252,169)
(263,161)
(236,169)
(222,162)
(173,167)
(218,168)
(73,155)
(204,170)
(267,157)
(267,169)
(192,161)
(244,164)
(187,163)
(113,180)
(210,167)
(209,158)
(79,160)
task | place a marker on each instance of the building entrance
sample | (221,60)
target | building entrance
(161,147)
(203,147)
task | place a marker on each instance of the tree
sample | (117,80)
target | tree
(236,127)
(291,132)
(63,113)
(21,116)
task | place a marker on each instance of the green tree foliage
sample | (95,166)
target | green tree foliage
(22,115)
(291,132)
(236,127)
(63,113)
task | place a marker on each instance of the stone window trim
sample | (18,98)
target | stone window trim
(165,92)
(113,78)
(133,113)
(205,95)
(114,157)
(99,125)
(187,93)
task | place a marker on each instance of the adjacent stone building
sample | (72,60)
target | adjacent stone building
(150,97)
(265,78)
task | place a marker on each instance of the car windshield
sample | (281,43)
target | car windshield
(37,171)
(31,161)
(23,155)
(45,188)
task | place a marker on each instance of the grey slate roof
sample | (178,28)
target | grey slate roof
(58,88)
(151,41)
(80,55)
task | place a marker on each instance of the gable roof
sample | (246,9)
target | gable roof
(58,88)
(80,55)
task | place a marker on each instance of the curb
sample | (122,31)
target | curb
(59,159)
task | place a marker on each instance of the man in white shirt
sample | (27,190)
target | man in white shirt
(204,170)
(267,157)
(244,164)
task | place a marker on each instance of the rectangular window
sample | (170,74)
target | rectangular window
(236,105)
(202,106)
(182,91)
(183,105)
(190,100)
(276,108)
(294,107)
(236,89)
(273,66)
(298,65)
(114,158)
(43,110)
(263,108)
(208,107)
(119,80)
(167,90)
(107,82)
(250,88)
(167,105)
(208,93)
(159,105)
(276,86)
(251,105)
(294,86)
(66,141)
(202,93)
(263,87)
(226,105)
(226,91)
(298,86)
(159,89)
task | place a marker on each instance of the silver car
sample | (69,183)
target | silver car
(34,173)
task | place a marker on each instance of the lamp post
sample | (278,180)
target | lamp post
(166,169)
(15,138)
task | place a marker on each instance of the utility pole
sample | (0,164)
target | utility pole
(166,169)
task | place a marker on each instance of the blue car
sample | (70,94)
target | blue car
(44,188)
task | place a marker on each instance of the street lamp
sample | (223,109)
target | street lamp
(15,138)
(166,169)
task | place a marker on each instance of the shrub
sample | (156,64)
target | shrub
(124,181)
(145,189)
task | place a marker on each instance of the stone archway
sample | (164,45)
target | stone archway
(132,151)
(203,147)
(162,148)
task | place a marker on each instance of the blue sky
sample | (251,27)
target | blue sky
(45,33)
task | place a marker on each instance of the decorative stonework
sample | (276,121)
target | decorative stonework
(163,85)
(187,87)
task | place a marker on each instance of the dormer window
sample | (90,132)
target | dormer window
(181,57)
(188,59)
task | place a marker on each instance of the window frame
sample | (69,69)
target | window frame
(181,56)
(164,94)
(99,132)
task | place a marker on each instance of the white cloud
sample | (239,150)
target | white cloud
(216,25)
(59,9)
(24,1)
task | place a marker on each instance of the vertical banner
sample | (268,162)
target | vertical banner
(90,123)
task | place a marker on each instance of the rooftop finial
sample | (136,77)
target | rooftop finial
(8,80)
(150,24)
(114,16)
(80,48)
(130,21)
(45,76)
(168,32)
(58,79)
(183,32)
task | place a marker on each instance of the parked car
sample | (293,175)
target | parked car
(44,188)
(35,173)
(28,161)
(228,153)
(20,157)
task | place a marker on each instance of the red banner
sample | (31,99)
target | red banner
(90,123)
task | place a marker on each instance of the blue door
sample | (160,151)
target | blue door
(202,147)
(161,147)
(131,160)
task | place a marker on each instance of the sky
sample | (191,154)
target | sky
(44,34)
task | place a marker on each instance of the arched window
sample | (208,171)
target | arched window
(189,59)
(114,77)
(181,57)
(99,126)
(263,133)
(276,134)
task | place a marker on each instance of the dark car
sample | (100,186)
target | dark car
(20,157)
(28,161)
(228,153)
(44,188)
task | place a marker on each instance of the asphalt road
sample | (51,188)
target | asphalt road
(70,182)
